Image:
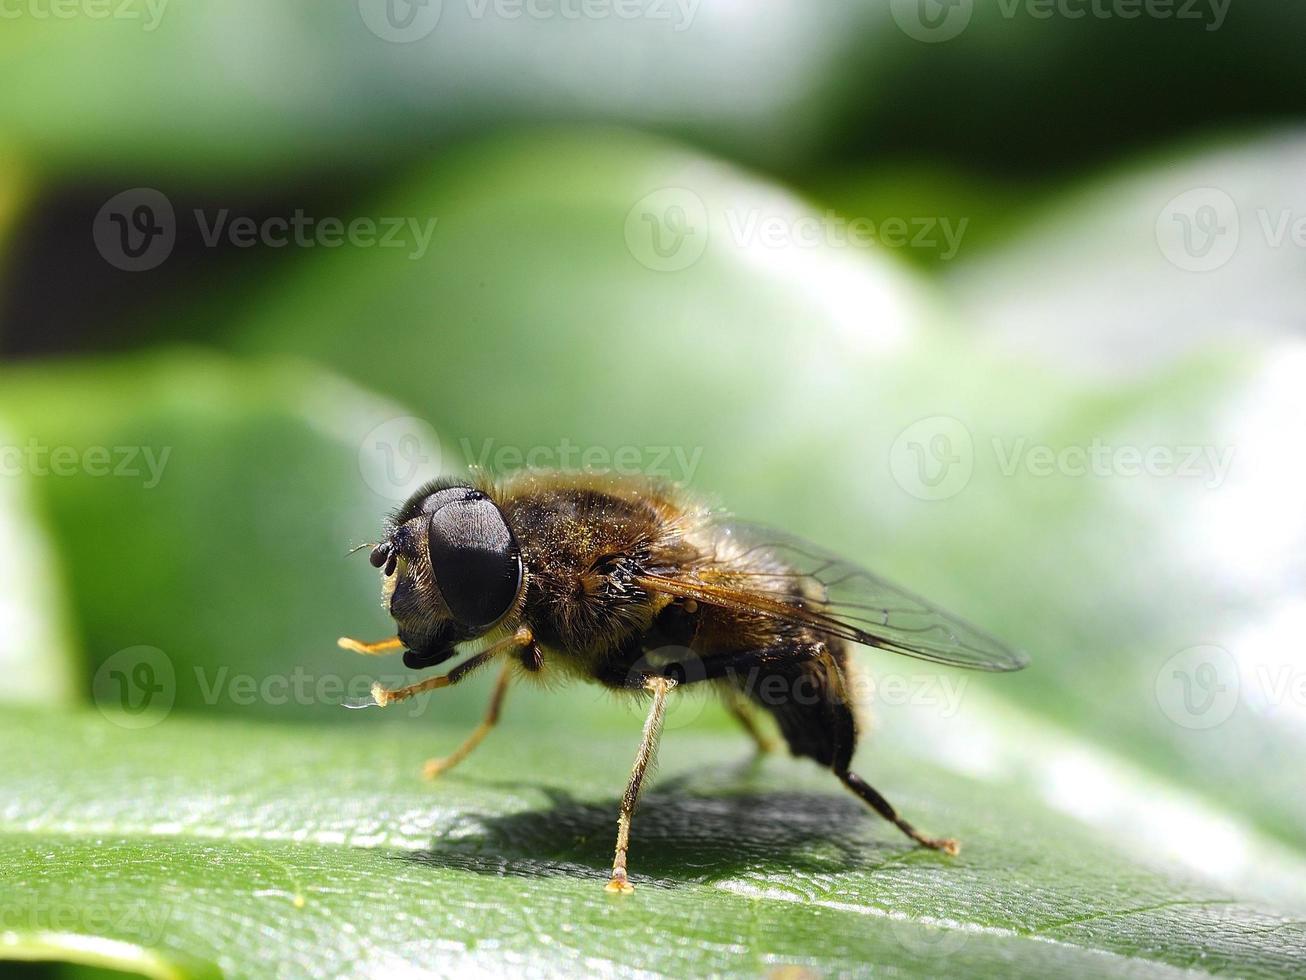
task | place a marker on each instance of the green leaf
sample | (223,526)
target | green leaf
(1200,244)
(147,84)
(197,506)
(542,312)
(203,846)
(933,216)
(38,651)
(351,90)
(1098,811)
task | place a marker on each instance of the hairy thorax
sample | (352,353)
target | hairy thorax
(582,546)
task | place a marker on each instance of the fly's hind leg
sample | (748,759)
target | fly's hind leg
(882,806)
(818,721)
(435,767)
(743,712)
(660,687)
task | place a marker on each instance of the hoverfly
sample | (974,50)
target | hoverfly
(629,583)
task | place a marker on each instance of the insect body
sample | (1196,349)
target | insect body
(628,583)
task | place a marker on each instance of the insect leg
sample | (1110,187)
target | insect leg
(370,649)
(743,712)
(814,712)
(382,696)
(881,806)
(660,687)
(434,767)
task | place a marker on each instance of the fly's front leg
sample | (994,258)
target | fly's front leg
(370,649)
(660,687)
(382,696)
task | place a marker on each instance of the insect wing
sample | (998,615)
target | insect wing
(761,570)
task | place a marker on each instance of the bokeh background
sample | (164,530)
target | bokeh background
(1003,300)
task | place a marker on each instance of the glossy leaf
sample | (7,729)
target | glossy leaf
(324,852)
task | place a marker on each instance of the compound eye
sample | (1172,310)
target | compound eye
(448,495)
(475,560)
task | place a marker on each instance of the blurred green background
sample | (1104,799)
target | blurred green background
(1003,300)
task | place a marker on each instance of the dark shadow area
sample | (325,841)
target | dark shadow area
(682,833)
(62,296)
(59,970)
